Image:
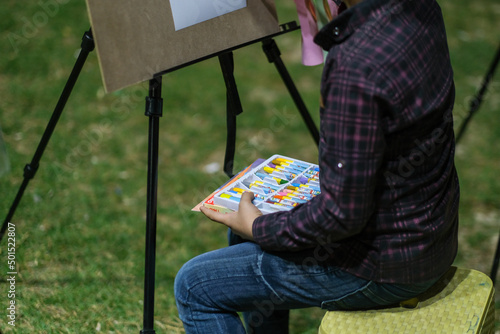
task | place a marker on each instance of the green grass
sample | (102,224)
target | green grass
(80,226)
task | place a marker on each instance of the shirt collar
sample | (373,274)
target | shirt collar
(346,23)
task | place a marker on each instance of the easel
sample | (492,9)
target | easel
(30,169)
(474,107)
(154,111)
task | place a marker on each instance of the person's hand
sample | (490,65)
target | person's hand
(240,222)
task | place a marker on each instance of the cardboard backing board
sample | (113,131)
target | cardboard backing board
(136,39)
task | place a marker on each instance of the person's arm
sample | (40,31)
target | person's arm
(351,153)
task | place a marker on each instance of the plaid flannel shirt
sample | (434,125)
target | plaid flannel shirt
(388,209)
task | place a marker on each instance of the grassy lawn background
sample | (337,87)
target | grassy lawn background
(80,226)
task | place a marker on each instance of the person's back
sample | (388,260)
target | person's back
(399,57)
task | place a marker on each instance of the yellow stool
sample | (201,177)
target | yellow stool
(462,301)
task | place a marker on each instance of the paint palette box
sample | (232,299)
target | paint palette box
(279,183)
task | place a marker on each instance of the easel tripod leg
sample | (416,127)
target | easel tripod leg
(496,260)
(273,55)
(154,107)
(31,168)
(478,99)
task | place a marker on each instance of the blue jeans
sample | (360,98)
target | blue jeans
(211,288)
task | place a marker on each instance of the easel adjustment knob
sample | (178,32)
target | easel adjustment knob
(154,106)
(88,41)
(271,50)
(30,171)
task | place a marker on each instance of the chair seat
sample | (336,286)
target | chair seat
(462,301)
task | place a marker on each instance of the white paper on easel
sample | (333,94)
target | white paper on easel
(187,13)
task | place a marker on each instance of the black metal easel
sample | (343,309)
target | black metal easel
(30,169)
(274,56)
(478,99)
(154,110)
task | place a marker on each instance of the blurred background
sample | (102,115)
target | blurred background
(80,226)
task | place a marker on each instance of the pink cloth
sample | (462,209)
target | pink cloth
(312,54)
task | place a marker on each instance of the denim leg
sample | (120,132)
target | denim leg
(259,322)
(211,288)
(376,295)
(207,290)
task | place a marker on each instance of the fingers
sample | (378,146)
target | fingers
(212,215)
(246,201)
(241,221)
(247,197)
(247,208)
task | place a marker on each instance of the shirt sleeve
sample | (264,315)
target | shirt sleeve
(351,153)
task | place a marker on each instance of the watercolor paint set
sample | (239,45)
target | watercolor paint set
(278,183)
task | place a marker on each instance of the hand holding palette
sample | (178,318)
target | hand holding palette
(279,183)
